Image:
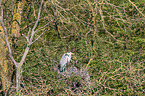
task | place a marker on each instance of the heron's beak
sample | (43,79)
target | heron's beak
(71,53)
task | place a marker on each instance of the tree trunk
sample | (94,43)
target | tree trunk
(18,78)
(19,69)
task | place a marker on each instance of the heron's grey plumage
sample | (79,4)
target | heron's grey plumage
(65,59)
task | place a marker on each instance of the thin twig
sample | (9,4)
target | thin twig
(108,87)
(44,26)
(88,63)
(136,8)
(38,36)
(26,37)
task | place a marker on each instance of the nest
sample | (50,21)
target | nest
(78,81)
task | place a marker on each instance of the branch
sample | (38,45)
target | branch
(36,23)
(6,36)
(38,16)
(24,55)
(13,60)
(136,8)
(38,37)
(42,32)
(26,37)
(109,87)
(88,63)
(29,32)
(43,26)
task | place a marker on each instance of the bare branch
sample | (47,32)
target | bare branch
(38,36)
(12,58)
(25,54)
(26,37)
(108,87)
(6,36)
(29,32)
(136,8)
(36,23)
(89,63)
(44,26)
(38,16)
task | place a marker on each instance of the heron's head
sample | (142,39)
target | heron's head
(69,53)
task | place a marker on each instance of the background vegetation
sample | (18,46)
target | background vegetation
(107,38)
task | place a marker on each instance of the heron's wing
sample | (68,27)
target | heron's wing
(63,61)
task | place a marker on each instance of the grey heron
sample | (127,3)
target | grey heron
(65,59)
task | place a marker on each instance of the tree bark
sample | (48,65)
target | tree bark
(18,77)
